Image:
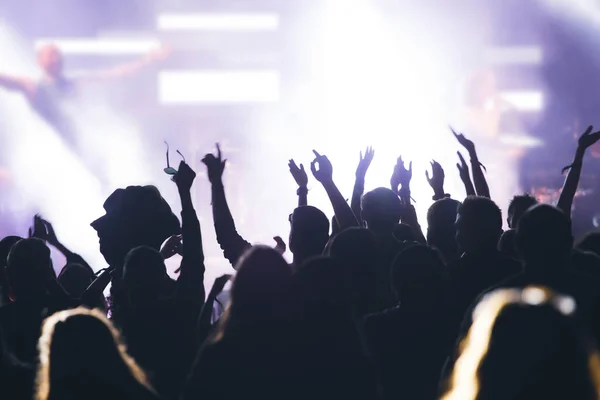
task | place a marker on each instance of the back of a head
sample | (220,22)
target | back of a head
(5,245)
(320,285)
(517,207)
(75,278)
(28,268)
(101,359)
(544,235)
(441,232)
(261,287)
(381,209)
(590,242)
(507,244)
(144,269)
(478,224)
(525,344)
(309,231)
(418,272)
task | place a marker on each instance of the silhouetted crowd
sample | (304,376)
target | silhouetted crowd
(371,307)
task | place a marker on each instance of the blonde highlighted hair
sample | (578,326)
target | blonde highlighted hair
(465,382)
(128,365)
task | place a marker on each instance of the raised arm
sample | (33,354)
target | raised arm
(359,183)
(301,180)
(190,282)
(49,235)
(565,201)
(403,176)
(324,174)
(481,185)
(465,177)
(127,69)
(231,242)
(17,84)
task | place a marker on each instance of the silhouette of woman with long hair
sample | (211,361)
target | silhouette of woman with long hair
(82,357)
(526,344)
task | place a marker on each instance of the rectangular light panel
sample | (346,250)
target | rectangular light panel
(525,100)
(218,86)
(218,22)
(517,55)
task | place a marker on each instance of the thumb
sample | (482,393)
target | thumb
(302,167)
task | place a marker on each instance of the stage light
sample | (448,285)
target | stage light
(514,55)
(524,100)
(218,86)
(218,22)
(101,46)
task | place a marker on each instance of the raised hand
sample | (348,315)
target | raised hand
(171,247)
(402,175)
(325,172)
(436,181)
(215,165)
(588,138)
(466,143)
(280,245)
(38,229)
(184,177)
(463,167)
(299,174)
(365,162)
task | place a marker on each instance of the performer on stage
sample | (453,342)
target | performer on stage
(51,96)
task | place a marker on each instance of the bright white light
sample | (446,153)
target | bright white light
(525,100)
(518,55)
(534,296)
(382,86)
(217,86)
(218,22)
(101,46)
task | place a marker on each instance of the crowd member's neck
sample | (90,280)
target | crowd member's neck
(547,266)
(483,251)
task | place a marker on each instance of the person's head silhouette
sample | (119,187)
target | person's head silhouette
(260,289)
(525,344)
(478,225)
(309,232)
(144,274)
(441,232)
(381,209)
(97,367)
(544,237)
(50,59)
(135,216)
(517,207)
(418,275)
(29,269)
(358,251)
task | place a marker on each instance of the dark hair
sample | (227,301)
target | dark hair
(479,224)
(381,208)
(544,233)
(418,269)
(482,210)
(309,231)
(102,356)
(358,251)
(518,205)
(28,267)
(261,291)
